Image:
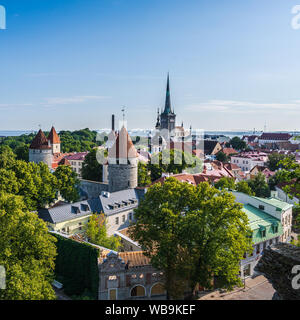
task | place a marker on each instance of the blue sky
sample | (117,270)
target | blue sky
(71,63)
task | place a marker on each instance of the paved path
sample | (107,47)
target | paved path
(258,288)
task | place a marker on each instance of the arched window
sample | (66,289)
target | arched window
(157,289)
(138,291)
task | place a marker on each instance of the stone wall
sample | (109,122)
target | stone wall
(277,264)
(92,189)
(122,177)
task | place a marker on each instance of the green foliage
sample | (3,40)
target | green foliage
(173,161)
(7,156)
(225,183)
(32,181)
(78,141)
(259,186)
(243,186)
(238,144)
(144,179)
(192,234)
(275,160)
(77,266)
(19,145)
(68,183)
(221,156)
(27,251)
(91,168)
(35,182)
(97,233)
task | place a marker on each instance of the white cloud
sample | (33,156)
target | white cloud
(15,105)
(71,100)
(244,107)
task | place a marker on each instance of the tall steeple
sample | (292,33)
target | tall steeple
(168,117)
(168,108)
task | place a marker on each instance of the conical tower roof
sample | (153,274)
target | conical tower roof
(123,147)
(40,141)
(53,136)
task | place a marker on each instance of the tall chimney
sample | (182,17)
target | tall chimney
(113,122)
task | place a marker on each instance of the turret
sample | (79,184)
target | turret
(54,141)
(122,163)
(40,150)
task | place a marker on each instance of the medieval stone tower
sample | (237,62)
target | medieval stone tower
(54,141)
(40,150)
(122,164)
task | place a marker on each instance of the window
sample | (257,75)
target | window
(261,207)
(130,216)
(117,220)
(133,276)
(157,289)
(112,278)
(123,218)
(138,291)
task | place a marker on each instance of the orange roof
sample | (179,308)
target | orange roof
(123,147)
(53,136)
(133,258)
(40,141)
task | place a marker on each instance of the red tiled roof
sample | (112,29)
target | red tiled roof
(53,136)
(40,141)
(77,156)
(275,136)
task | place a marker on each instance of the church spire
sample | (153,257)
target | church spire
(168,108)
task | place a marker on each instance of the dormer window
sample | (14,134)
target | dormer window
(75,210)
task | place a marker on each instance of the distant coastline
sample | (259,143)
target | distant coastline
(144,133)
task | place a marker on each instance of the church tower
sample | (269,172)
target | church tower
(122,163)
(168,117)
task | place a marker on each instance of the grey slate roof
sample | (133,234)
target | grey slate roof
(65,212)
(119,201)
(116,202)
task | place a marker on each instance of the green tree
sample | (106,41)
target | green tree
(259,186)
(68,183)
(192,234)
(173,161)
(238,144)
(221,156)
(144,179)
(97,233)
(275,160)
(22,152)
(91,168)
(27,251)
(225,183)
(243,187)
(7,157)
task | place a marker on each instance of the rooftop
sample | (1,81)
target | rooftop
(258,217)
(281,205)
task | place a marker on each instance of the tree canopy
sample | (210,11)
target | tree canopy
(67,183)
(193,234)
(237,143)
(173,161)
(27,252)
(91,168)
(275,160)
(97,233)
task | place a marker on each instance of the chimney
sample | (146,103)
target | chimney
(113,122)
